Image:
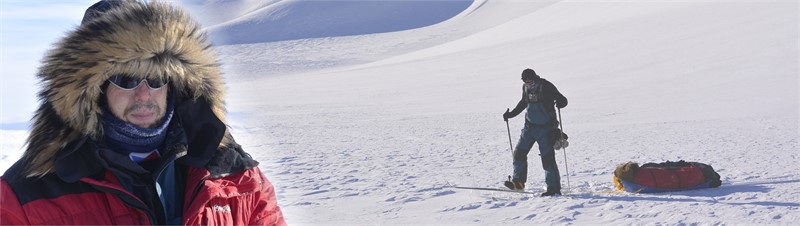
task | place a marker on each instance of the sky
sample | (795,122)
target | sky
(27,30)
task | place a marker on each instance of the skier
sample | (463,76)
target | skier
(541,125)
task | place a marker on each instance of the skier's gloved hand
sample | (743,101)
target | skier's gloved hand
(507,115)
(560,144)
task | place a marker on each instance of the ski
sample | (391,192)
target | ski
(496,189)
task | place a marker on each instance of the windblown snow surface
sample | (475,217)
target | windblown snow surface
(361,126)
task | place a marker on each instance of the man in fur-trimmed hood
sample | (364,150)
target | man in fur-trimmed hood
(131,130)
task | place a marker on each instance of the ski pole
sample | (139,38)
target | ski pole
(510,145)
(566,166)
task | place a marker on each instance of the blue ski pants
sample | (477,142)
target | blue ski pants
(531,134)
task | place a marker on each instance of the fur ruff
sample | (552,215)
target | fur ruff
(143,40)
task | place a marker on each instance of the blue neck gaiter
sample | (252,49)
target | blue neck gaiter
(129,139)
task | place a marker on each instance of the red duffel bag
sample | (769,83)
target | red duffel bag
(666,176)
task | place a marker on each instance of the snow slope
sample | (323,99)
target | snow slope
(293,56)
(241,22)
(377,128)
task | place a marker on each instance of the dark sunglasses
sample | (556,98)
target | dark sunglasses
(128,82)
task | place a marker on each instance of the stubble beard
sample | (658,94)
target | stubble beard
(151,106)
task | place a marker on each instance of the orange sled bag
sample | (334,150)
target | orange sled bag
(665,176)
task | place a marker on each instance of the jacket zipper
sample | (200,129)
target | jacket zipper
(157,186)
(196,190)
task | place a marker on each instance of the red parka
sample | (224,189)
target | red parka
(246,198)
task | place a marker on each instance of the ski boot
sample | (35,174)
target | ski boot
(516,186)
(551,193)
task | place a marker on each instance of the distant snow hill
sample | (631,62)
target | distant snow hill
(256,21)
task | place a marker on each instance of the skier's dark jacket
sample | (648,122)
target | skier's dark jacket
(67,175)
(549,96)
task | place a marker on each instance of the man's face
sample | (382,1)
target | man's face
(527,81)
(141,106)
